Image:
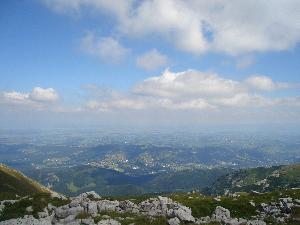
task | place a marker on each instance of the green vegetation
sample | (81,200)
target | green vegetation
(258,179)
(75,180)
(82,215)
(36,203)
(134,198)
(38,197)
(295,217)
(13,182)
(201,205)
(239,206)
(129,218)
(205,205)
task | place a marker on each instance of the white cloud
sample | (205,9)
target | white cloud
(187,83)
(115,7)
(44,95)
(174,21)
(188,90)
(16,96)
(152,60)
(170,97)
(234,27)
(245,100)
(192,90)
(265,83)
(37,98)
(106,48)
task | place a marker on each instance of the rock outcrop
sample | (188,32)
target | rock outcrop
(85,208)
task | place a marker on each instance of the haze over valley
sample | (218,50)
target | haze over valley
(149,112)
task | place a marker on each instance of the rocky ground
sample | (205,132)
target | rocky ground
(90,208)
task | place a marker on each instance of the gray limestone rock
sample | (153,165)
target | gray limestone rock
(27,220)
(256,222)
(221,214)
(109,222)
(106,205)
(174,221)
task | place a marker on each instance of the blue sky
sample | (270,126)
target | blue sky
(94,58)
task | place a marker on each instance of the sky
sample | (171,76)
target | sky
(90,63)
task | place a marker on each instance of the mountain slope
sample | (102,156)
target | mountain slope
(259,179)
(13,182)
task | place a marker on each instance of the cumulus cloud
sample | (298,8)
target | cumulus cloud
(265,83)
(45,95)
(37,98)
(189,90)
(186,96)
(152,60)
(188,83)
(192,90)
(16,96)
(106,48)
(233,27)
(115,7)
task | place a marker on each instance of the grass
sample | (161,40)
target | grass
(128,218)
(239,207)
(15,210)
(201,206)
(38,202)
(295,216)
(13,182)
(82,215)
(135,199)
(204,205)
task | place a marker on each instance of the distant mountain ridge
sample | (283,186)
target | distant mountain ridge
(75,180)
(259,179)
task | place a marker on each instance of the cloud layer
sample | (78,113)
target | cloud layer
(187,97)
(194,90)
(233,27)
(38,98)
(106,48)
(152,60)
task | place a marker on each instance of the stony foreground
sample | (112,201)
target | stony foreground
(90,208)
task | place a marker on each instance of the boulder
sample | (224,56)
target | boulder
(256,222)
(91,208)
(221,214)
(108,222)
(87,221)
(43,214)
(67,220)
(174,221)
(151,207)
(203,220)
(83,198)
(163,206)
(64,211)
(164,203)
(27,220)
(286,200)
(29,209)
(106,205)
(233,221)
(183,213)
(128,206)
